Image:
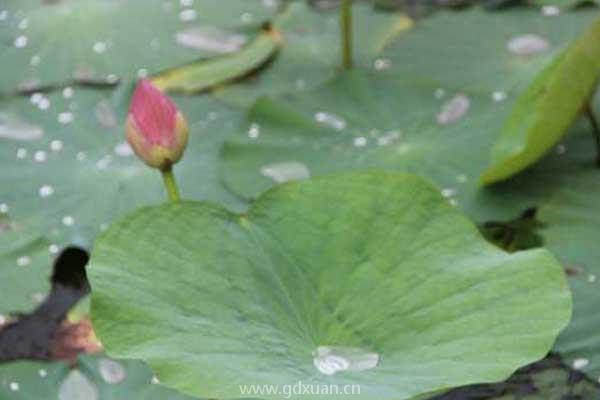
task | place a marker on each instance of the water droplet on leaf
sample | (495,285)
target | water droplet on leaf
(46,191)
(527,45)
(12,127)
(285,171)
(331,120)
(211,39)
(332,359)
(454,109)
(111,371)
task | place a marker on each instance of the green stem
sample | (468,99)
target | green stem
(346,31)
(170,184)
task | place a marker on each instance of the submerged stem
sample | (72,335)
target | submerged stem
(170,183)
(595,130)
(346,31)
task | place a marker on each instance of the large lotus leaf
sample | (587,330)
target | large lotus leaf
(549,106)
(66,170)
(25,269)
(374,276)
(93,378)
(52,42)
(311,52)
(565,188)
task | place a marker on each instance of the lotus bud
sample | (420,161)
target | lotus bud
(156,130)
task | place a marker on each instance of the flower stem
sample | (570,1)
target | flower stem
(346,31)
(170,183)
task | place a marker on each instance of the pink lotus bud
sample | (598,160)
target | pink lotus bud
(156,129)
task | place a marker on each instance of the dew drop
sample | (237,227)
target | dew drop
(285,171)
(188,15)
(42,373)
(3,319)
(65,117)
(12,127)
(359,141)
(23,261)
(3,15)
(112,78)
(123,149)
(211,39)
(35,60)
(104,162)
(527,45)
(77,386)
(461,178)
(3,208)
(550,11)
(68,92)
(591,278)
(499,96)
(561,149)
(448,192)
(21,153)
(68,220)
(580,363)
(439,93)
(46,191)
(21,41)
(56,145)
(44,103)
(24,23)
(40,156)
(155,380)
(53,249)
(332,359)
(112,372)
(454,109)
(186,3)
(381,64)
(81,156)
(35,98)
(254,131)
(99,47)
(14,386)
(330,120)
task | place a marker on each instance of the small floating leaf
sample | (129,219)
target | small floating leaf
(205,75)
(370,279)
(549,106)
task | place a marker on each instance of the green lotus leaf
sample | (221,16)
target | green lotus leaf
(70,171)
(48,43)
(368,279)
